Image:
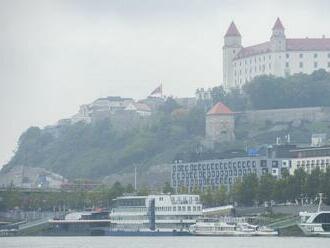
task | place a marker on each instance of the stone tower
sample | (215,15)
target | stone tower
(220,124)
(232,46)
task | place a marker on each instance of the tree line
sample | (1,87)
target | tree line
(270,92)
(251,190)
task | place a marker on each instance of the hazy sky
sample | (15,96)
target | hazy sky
(56,55)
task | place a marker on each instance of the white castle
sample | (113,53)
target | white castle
(279,56)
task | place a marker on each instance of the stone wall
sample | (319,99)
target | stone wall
(287,115)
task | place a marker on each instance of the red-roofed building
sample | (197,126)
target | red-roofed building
(220,124)
(280,56)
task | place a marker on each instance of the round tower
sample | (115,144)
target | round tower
(220,124)
(232,46)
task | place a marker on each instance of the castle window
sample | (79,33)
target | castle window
(287,65)
(270,65)
(234,51)
(270,56)
(328,55)
(315,64)
(315,55)
(328,64)
(301,64)
(301,55)
(287,55)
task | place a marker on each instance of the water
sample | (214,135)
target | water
(163,242)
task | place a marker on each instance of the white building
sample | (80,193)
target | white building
(140,108)
(280,56)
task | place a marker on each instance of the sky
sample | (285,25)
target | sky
(58,54)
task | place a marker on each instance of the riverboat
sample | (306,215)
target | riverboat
(154,215)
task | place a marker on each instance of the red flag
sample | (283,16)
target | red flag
(157,91)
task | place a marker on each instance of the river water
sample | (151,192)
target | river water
(163,242)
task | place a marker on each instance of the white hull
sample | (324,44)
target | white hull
(313,230)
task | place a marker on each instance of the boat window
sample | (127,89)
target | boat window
(322,218)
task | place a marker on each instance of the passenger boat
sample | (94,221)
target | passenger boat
(316,224)
(215,227)
(154,215)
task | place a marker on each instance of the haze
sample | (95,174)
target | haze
(57,55)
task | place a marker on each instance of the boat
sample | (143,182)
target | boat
(154,215)
(217,227)
(316,223)
(89,223)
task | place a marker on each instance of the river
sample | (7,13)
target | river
(163,242)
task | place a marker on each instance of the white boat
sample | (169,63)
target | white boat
(214,227)
(317,223)
(154,215)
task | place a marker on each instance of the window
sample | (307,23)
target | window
(315,65)
(287,65)
(287,55)
(328,64)
(301,55)
(328,55)
(301,64)
(315,55)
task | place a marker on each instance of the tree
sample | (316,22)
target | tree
(265,188)
(167,188)
(220,196)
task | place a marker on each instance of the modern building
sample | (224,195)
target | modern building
(225,171)
(309,158)
(220,124)
(279,56)
(220,172)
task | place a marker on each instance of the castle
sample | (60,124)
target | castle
(279,56)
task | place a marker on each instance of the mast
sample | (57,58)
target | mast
(320,202)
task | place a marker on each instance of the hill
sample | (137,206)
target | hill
(100,148)
(104,149)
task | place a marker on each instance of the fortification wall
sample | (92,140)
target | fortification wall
(287,115)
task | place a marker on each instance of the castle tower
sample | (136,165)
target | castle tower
(220,124)
(278,39)
(232,46)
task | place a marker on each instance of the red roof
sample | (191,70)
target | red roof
(220,109)
(278,24)
(307,44)
(232,30)
(254,50)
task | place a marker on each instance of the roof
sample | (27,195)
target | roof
(220,109)
(232,30)
(254,50)
(305,44)
(278,24)
(142,107)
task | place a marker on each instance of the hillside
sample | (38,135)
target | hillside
(110,149)
(99,149)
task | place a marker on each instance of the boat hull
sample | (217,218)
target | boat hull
(147,233)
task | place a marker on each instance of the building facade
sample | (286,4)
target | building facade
(220,172)
(280,56)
